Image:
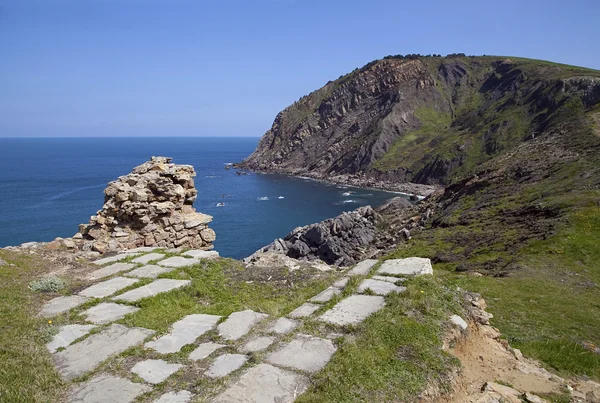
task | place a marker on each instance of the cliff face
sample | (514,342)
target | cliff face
(426,121)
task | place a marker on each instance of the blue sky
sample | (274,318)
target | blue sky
(226,68)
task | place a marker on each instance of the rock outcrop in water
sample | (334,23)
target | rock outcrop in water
(151,206)
(337,240)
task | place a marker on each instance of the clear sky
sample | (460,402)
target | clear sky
(226,67)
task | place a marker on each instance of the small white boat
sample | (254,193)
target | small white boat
(221,204)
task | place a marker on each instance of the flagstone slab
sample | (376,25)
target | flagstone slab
(325,295)
(304,310)
(202,254)
(155,371)
(379,287)
(259,343)
(107,388)
(183,396)
(225,364)
(411,266)
(341,283)
(148,258)
(115,258)
(184,331)
(306,353)
(141,249)
(389,279)
(149,271)
(110,270)
(362,268)
(353,310)
(240,323)
(150,290)
(82,357)
(265,383)
(283,326)
(178,261)
(107,312)
(60,305)
(204,350)
(108,287)
(67,335)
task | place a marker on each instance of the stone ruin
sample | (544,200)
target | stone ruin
(152,206)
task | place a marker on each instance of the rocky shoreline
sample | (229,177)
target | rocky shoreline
(357,180)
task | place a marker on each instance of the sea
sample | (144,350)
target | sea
(50,185)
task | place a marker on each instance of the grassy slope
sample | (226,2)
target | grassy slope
(536,234)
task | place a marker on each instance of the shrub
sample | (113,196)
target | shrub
(48,284)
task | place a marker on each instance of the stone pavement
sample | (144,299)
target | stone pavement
(277,374)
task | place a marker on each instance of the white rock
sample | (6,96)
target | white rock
(458,321)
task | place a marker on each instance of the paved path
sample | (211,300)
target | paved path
(285,355)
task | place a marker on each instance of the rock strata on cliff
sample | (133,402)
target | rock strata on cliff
(338,240)
(151,206)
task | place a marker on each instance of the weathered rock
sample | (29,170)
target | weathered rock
(379,287)
(362,268)
(80,358)
(306,353)
(59,305)
(142,209)
(149,271)
(202,254)
(283,326)
(341,283)
(411,266)
(326,295)
(226,364)
(177,261)
(304,310)
(154,288)
(458,321)
(353,310)
(265,383)
(148,258)
(67,335)
(204,350)
(108,287)
(155,371)
(239,323)
(107,388)
(183,396)
(107,312)
(335,241)
(184,331)
(257,344)
(110,270)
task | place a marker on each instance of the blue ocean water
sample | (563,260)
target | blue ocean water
(50,185)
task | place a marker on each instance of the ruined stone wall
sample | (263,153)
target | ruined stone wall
(151,206)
